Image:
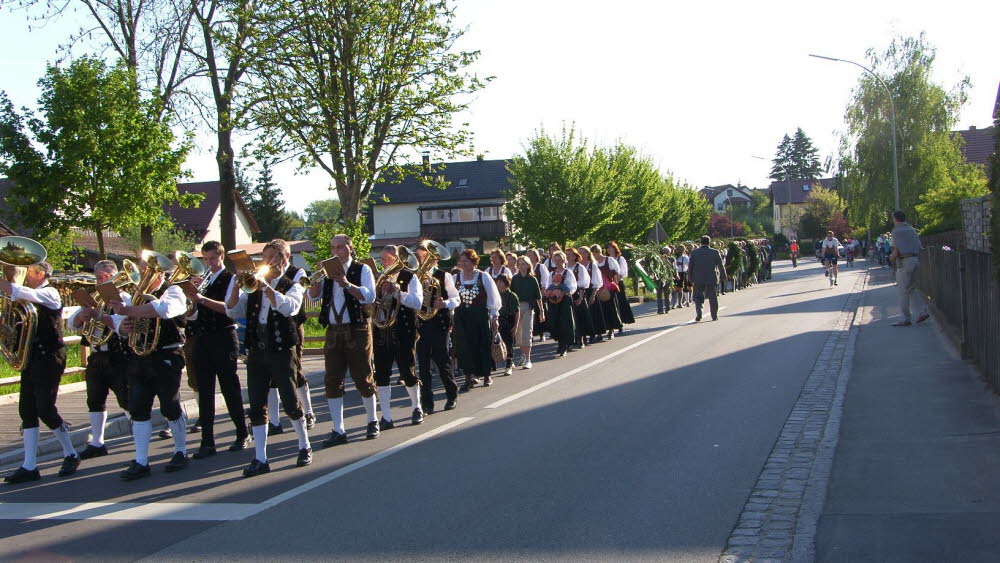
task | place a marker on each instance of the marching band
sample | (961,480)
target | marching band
(408,313)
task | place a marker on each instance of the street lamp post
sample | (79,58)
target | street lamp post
(892,115)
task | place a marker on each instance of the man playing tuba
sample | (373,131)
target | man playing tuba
(433,341)
(397,341)
(40,375)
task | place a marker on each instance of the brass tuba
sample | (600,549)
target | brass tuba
(385,309)
(143,338)
(432,288)
(96,332)
(18,319)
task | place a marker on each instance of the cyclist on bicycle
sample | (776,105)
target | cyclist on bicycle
(830,252)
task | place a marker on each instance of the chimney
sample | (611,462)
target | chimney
(972,128)
(426,156)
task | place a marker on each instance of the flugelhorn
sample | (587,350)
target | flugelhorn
(249,276)
(18,319)
(432,288)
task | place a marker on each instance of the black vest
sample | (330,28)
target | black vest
(171,330)
(357,311)
(300,317)
(48,335)
(209,321)
(406,319)
(281,332)
(442,320)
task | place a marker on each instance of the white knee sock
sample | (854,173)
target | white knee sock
(414,393)
(64,440)
(260,442)
(141,432)
(179,429)
(370,408)
(97,422)
(300,431)
(385,400)
(30,436)
(272,407)
(305,397)
(337,414)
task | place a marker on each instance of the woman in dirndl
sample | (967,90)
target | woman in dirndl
(613,252)
(581,299)
(562,285)
(609,273)
(474,317)
(597,326)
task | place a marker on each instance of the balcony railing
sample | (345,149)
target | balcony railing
(486,230)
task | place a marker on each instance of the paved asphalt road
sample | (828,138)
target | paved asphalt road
(647,454)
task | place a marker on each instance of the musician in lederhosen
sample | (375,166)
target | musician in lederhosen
(474,319)
(597,325)
(272,337)
(295,274)
(432,344)
(214,351)
(105,372)
(156,375)
(624,307)
(40,375)
(609,274)
(562,285)
(348,336)
(397,343)
(583,325)
(541,273)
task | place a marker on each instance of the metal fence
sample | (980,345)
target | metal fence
(962,285)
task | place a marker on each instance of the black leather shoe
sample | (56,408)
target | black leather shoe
(427,410)
(274,429)
(305,457)
(241,443)
(166,434)
(310,421)
(134,471)
(487,381)
(70,463)
(373,431)
(22,475)
(196,427)
(451,404)
(715,318)
(92,451)
(177,462)
(417,418)
(697,319)
(203,452)
(386,424)
(335,439)
(256,468)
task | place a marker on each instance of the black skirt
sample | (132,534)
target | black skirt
(560,321)
(473,340)
(598,325)
(625,309)
(583,323)
(612,320)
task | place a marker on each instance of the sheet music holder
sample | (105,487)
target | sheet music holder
(109,293)
(85,299)
(333,267)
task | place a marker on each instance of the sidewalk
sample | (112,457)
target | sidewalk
(914,474)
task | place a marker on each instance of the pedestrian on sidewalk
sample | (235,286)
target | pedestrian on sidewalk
(906,255)
(705,261)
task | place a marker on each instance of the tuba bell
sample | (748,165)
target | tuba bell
(18,319)
(385,309)
(432,288)
(96,332)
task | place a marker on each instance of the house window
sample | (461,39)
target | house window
(805,187)
(468,215)
(463,183)
(489,213)
(729,192)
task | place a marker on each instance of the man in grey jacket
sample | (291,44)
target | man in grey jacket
(705,262)
(906,254)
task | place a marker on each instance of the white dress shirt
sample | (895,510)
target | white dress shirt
(173,303)
(44,295)
(503,270)
(413,297)
(367,292)
(568,282)
(286,304)
(583,279)
(622,267)
(453,300)
(71,321)
(543,275)
(596,277)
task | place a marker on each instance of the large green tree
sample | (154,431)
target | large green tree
(349,87)
(699,212)
(641,190)
(109,162)
(798,156)
(560,190)
(322,211)
(930,162)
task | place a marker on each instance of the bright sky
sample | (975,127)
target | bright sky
(700,87)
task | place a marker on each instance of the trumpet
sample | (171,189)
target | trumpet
(18,319)
(249,277)
(96,332)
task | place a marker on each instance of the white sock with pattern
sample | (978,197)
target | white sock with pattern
(30,436)
(97,422)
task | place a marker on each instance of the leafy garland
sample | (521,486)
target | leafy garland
(753,259)
(734,260)
(656,267)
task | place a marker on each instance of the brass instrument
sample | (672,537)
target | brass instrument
(385,308)
(249,276)
(432,288)
(18,319)
(96,332)
(143,339)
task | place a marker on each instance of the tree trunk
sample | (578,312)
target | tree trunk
(101,252)
(227,188)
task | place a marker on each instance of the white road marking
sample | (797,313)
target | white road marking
(585,367)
